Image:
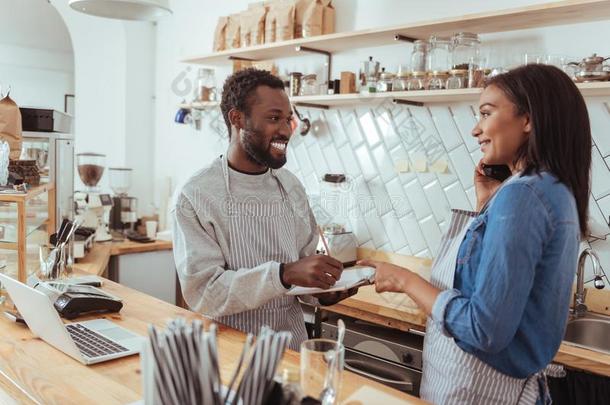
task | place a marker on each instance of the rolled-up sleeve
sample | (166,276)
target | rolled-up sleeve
(440,307)
(208,286)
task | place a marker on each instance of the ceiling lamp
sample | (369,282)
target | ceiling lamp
(143,10)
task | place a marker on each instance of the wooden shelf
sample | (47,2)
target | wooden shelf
(32,192)
(424,96)
(541,15)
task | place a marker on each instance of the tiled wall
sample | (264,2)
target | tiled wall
(408,166)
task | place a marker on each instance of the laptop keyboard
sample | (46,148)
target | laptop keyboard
(91,343)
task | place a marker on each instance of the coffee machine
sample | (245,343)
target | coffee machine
(124,212)
(92,206)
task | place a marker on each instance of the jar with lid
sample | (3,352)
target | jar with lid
(458,79)
(466,47)
(369,72)
(401,81)
(295,83)
(309,86)
(437,80)
(439,56)
(417,81)
(206,85)
(419,55)
(386,80)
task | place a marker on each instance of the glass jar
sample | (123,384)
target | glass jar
(418,55)
(401,81)
(458,79)
(386,79)
(439,56)
(417,81)
(437,80)
(309,86)
(466,47)
(295,83)
(206,85)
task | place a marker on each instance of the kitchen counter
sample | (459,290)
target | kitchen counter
(32,372)
(400,312)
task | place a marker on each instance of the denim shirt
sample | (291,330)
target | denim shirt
(514,274)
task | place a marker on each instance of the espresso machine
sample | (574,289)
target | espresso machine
(124,212)
(92,206)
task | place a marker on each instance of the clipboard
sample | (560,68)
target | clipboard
(351,278)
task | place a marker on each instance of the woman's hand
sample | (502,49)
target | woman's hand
(484,186)
(388,277)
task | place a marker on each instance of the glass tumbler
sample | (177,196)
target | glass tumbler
(317,357)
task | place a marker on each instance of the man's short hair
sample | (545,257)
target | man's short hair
(238,90)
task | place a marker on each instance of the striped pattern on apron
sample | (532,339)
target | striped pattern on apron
(258,233)
(450,375)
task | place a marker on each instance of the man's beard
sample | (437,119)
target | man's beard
(258,151)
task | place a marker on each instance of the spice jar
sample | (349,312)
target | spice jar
(401,81)
(295,83)
(309,86)
(418,55)
(206,85)
(439,56)
(417,81)
(458,79)
(437,80)
(369,71)
(386,79)
(466,46)
(477,76)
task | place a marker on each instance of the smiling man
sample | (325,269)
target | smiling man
(243,230)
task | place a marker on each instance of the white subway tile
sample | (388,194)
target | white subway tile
(472,197)
(388,133)
(336,127)
(465,121)
(318,161)
(599,117)
(413,233)
(602,248)
(302,158)
(381,199)
(332,159)
(600,176)
(394,231)
(376,229)
(358,227)
(384,163)
(349,161)
(320,129)
(595,212)
(369,170)
(417,199)
(457,197)
(352,129)
(399,200)
(363,197)
(424,254)
(445,126)
(368,245)
(311,183)
(437,200)
(432,233)
(604,206)
(462,161)
(386,248)
(450,176)
(369,129)
(476,156)
(405,251)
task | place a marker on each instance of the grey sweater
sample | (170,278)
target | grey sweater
(201,239)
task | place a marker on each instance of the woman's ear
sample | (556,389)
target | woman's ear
(527,125)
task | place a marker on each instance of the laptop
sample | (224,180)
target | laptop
(89,342)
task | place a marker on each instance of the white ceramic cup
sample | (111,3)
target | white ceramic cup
(151,229)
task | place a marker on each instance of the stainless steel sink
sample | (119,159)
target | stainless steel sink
(590,332)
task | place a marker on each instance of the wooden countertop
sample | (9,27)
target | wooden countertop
(400,312)
(31,371)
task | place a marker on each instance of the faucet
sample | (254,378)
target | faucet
(579,296)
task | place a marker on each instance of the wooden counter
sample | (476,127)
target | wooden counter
(31,371)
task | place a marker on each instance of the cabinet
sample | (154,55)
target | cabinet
(26,222)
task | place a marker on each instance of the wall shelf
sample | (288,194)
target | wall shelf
(541,15)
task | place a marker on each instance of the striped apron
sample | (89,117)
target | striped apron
(259,233)
(450,375)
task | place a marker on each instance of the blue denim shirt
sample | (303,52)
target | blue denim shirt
(515,269)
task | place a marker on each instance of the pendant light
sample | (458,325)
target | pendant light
(143,10)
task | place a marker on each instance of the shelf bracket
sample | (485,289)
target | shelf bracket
(240,58)
(408,102)
(329,57)
(312,105)
(400,37)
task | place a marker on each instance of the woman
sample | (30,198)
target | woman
(499,292)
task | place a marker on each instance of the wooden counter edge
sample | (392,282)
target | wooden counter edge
(127,247)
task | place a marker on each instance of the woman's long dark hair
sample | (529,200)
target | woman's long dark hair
(560,141)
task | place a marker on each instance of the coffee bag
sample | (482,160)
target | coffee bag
(10,126)
(233,36)
(220,34)
(252,26)
(328,18)
(312,19)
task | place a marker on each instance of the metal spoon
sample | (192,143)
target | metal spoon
(305,121)
(328,394)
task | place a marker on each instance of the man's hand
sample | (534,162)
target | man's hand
(334,297)
(313,271)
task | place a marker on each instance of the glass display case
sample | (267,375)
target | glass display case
(26,222)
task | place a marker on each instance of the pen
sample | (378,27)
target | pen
(324,241)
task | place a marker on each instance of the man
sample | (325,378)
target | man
(243,230)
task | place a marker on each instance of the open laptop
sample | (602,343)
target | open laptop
(89,342)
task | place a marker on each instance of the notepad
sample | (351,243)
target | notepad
(354,277)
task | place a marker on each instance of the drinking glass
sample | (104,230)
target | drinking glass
(317,356)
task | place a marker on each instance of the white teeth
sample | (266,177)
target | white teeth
(279,145)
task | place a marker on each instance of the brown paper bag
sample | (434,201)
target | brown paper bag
(312,19)
(270,21)
(328,18)
(10,126)
(220,35)
(252,26)
(233,39)
(284,13)
(300,7)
